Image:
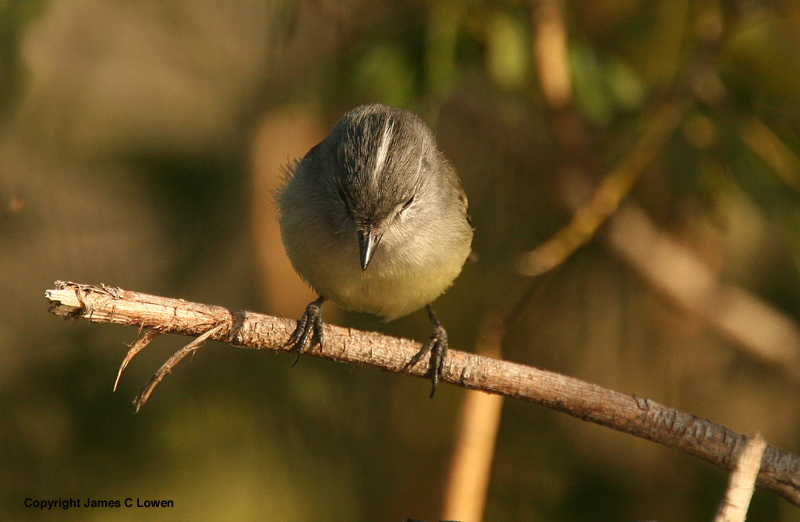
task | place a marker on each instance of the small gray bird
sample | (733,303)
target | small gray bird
(374,219)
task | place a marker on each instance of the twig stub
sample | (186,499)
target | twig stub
(742,482)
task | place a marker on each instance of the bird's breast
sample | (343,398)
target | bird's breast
(395,284)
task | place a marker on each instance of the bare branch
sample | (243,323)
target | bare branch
(780,470)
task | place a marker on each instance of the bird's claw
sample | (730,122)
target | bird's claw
(309,328)
(436,346)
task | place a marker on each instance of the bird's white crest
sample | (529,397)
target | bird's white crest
(421,157)
(383,150)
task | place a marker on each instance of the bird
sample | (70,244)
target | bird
(374,219)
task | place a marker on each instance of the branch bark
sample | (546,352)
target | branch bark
(779,472)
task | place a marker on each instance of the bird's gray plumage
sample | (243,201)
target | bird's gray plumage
(379,169)
(374,219)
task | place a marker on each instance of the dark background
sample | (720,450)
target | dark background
(139,142)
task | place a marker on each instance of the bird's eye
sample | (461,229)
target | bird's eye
(408,203)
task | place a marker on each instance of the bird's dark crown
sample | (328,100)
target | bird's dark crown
(381,155)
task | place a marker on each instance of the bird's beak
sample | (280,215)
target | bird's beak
(368,239)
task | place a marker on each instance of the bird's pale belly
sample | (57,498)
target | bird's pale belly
(382,289)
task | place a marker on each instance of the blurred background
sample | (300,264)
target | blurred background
(637,162)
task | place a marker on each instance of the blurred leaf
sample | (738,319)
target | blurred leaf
(444,20)
(761,60)
(604,85)
(385,74)
(15,16)
(508,50)
(625,84)
(591,98)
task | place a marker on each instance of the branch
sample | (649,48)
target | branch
(779,473)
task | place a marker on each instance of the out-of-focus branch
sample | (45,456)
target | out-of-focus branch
(666,114)
(772,150)
(606,199)
(753,325)
(479,421)
(550,50)
(476,435)
(780,471)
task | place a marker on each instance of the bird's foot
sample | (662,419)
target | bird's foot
(309,329)
(437,347)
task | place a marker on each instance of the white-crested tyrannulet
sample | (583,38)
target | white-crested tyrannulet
(374,219)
